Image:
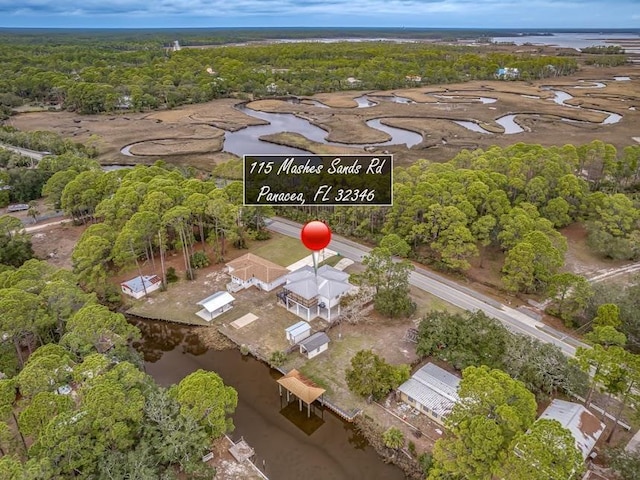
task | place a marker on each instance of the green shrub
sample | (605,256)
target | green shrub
(199,260)
(172,277)
(263,234)
(277,359)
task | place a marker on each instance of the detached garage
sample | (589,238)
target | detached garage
(215,305)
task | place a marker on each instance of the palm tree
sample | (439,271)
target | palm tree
(394,439)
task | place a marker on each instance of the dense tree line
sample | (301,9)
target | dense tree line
(44,141)
(73,401)
(604,49)
(627,298)
(26,177)
(97,77)
(15,244)
(137,215)
(473,339)
(514,199)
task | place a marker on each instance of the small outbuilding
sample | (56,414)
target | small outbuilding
(298,332)
(215,305)
(139,286)
(314,345)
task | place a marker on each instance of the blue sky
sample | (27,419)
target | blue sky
(321,13)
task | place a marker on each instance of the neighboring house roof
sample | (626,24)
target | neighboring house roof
(314,341)
(585,427)
(329,283)
(135,284)
(434,388)
(297,329)
(250,265)
(301,387)
(216,301)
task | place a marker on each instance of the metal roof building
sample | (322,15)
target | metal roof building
(135,287)
(297,332)
(215,305)
(431,390)
(315,344)
(585,427)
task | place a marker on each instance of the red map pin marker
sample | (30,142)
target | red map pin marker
(315,235)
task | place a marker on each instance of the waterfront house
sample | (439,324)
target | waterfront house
(310,295)
(297,332)
(314,345)
(585,427)
(252,270)
(432,391)
(215,305)
(137,286)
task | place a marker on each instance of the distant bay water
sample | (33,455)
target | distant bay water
(570,40)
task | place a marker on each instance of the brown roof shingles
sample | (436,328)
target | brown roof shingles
(250,265)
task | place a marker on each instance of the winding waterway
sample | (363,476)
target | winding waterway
(247,140)
(292,446)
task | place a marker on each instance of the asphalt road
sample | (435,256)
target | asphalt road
(443,288)
(25,151)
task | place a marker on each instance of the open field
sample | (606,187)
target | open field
(193,134)
(281,249)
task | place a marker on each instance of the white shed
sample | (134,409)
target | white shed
(297,332)
(315,344)
(215,305)
(136,286)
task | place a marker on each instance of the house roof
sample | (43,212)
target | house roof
(329,282)
(216,301)
(301,387)
(135,284)
(250,265)
(325,271)
(434,388)
(585,427)
(314,341)
(297,328)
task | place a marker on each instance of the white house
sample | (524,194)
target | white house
(585,427)
(135,287)
(431,390)
(309,295)
(298,332)
(252,270)
(314,345)
(215,305)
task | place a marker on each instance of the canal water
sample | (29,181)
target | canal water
(292,446)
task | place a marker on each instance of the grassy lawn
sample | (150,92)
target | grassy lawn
(331,261)
(178,303)
(281,249)
(327,369)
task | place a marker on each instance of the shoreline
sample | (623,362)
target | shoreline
(369,427)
